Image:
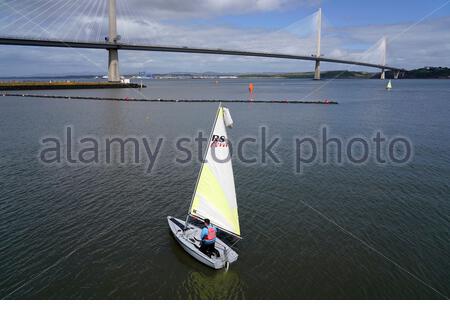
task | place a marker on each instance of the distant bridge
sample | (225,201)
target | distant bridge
(139,47)
(113,45)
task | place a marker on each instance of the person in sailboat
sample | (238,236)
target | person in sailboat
(208,238)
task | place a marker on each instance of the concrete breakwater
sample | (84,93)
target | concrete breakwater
(54,85)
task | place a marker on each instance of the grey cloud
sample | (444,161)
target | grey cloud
(165,9)
(427,43)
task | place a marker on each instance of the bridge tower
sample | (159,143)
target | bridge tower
(384,52)
(319,35)
(113,54)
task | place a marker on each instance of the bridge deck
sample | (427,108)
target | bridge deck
(138,47)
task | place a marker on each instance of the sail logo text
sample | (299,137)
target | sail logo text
(219,141)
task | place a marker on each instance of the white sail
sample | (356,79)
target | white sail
(215,195)
(389,85)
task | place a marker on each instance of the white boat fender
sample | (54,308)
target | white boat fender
(227,263)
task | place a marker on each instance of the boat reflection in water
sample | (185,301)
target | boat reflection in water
(212,285)
(201,282)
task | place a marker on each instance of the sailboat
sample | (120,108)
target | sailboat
(214,198)
(389,85)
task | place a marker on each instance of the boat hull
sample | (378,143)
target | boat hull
(189,239)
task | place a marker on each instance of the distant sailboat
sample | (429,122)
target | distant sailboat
(214,198)
(389,85)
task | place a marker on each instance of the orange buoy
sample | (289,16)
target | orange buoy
(251,87)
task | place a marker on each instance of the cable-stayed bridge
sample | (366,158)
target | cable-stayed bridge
(113,42)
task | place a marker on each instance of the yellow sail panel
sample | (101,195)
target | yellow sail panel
(215,195)
(210,201)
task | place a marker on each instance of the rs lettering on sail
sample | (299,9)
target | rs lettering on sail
(219,141)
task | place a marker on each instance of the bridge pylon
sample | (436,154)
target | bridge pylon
(384,48)
(113,54)
(319,35)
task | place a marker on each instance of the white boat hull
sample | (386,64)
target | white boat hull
(189,240)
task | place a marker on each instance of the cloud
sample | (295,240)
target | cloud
(427,43)
(408,45)
(170,9)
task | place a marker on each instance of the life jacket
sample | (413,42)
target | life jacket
(211,234)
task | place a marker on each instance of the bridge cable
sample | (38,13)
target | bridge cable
(73,23)
(127,10)
(138,16)
(89,12)
(20,16)
(95,20)
(122,26)
(55,12)
(36,16)
(100,23)
(85,29)
(13,14)
(39,26)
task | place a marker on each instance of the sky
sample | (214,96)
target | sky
(417,34)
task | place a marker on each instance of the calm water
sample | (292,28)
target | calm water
(335,231)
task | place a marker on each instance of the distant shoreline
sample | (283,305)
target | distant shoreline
(421,73)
